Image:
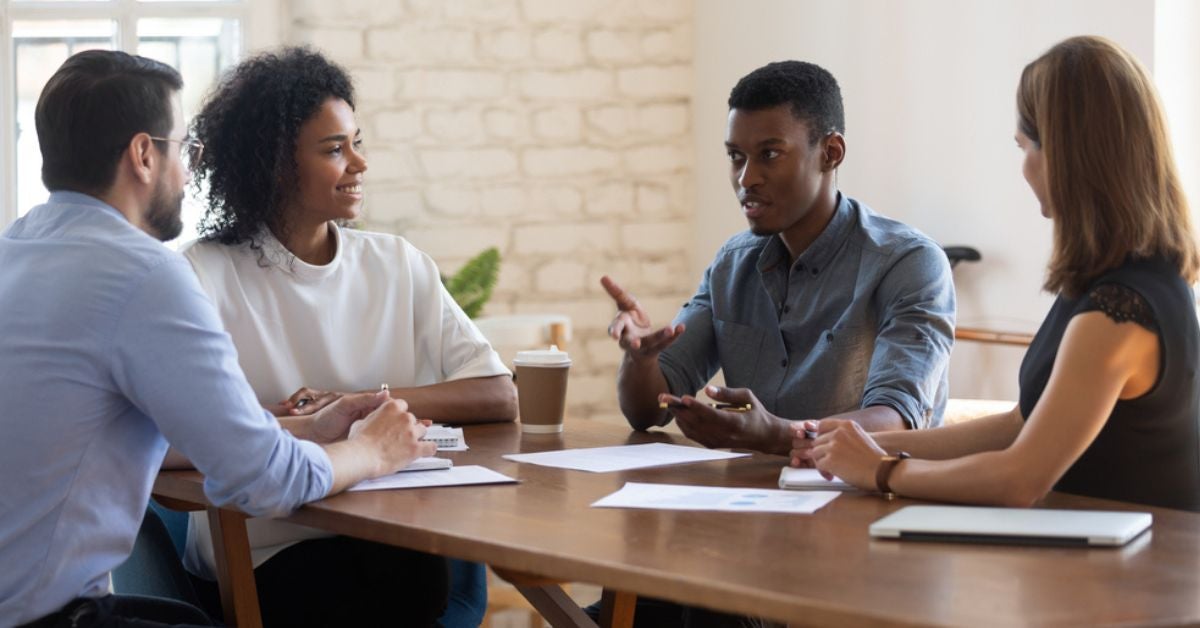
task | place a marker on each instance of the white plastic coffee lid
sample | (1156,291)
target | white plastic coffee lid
(542,357)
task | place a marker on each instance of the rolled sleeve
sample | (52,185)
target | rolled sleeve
(174,362)
(909,365)
(691,361)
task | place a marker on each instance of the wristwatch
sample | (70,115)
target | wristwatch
(884,471)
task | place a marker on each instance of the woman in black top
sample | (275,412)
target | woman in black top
(1110,394)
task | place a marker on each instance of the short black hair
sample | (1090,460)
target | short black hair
(249,126)
(811,91)
(92,107)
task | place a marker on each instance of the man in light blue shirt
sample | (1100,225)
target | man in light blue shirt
(109,350)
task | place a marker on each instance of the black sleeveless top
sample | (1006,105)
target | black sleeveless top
(1148,451)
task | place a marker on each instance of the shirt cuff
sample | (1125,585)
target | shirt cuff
(322,468)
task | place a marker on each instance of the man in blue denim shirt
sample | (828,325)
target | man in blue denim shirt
(823,308)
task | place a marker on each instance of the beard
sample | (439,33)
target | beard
(759,229)
(164,217)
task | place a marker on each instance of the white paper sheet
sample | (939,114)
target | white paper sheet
(456,476)
(604,459)
(679,497)
(810,479)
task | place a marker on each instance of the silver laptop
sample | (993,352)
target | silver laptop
(1023,526)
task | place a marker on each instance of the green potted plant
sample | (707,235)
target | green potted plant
(472,285)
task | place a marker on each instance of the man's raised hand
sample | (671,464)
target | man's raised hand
(631,327)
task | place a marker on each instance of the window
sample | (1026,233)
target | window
(200,38)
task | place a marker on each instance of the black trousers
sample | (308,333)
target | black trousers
(123,611)
(342,581)
(654,613)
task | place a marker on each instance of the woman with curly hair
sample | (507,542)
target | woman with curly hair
(316,310)
(1110,391)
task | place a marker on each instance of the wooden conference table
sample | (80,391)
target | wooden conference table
(819,569)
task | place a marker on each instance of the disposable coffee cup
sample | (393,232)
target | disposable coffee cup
(542,389)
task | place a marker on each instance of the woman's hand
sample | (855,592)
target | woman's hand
(803,433)
(304,401)
(844,449)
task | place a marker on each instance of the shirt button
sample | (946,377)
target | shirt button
(814,272)
(829,336)
(787,308)
(783,363)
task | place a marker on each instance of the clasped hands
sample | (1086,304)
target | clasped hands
(304,401)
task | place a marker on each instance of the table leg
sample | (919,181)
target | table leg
(548,598)
(235,569)
(616,609)
(556,606)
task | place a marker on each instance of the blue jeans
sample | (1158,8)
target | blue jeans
(468,595)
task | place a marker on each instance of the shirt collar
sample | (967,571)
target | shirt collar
(67,197)
(277,255)
(820,253)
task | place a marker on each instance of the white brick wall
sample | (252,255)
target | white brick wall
(556,130)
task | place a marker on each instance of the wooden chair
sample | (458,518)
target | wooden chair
(990,336)
(957,255)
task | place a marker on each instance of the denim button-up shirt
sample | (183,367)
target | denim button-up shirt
(863,317)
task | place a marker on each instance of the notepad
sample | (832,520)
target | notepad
(446,438)
(810,479)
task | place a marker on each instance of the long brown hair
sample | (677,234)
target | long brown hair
(1111,180)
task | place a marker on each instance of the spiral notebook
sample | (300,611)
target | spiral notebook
(446,438)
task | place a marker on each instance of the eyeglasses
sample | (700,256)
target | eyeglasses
(190,150)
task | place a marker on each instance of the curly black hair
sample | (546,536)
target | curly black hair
(811,91)
(249,127)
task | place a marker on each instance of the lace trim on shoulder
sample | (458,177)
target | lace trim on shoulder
(1122,304)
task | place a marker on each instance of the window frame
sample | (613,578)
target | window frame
(259,28)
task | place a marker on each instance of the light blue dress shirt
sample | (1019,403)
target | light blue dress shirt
(863,317)
(109,349)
